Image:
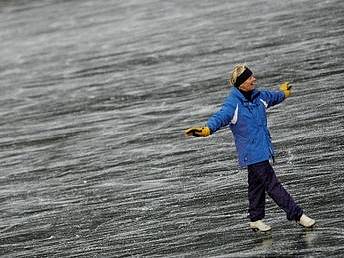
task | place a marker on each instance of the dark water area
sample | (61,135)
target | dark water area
(95,96)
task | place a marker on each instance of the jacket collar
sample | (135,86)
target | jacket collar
(236,93)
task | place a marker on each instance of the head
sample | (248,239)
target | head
(242,78)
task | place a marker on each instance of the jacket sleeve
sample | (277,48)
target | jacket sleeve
(221,118)
(272,97)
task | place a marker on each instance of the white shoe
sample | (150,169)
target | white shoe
(259,225)
(306,221)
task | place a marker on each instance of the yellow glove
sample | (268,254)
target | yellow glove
(286,88)
(198,131)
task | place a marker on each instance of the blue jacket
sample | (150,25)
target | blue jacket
(248,123)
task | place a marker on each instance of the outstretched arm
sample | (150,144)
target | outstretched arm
(216,121)
(275,97)
(221,118)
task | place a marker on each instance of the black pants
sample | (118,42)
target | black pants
(261,179)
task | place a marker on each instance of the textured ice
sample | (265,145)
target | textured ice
(94,99)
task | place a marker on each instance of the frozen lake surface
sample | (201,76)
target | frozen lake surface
(95,96)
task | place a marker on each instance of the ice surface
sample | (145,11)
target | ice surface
(95,96)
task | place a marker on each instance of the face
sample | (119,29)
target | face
(249,84)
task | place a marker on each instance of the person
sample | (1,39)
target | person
(244,111)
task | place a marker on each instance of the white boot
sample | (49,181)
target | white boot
(306,221)
(259,225)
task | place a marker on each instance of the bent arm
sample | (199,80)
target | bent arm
(272,97)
